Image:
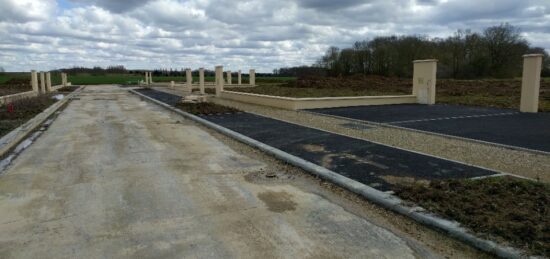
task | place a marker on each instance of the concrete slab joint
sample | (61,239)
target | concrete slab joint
(424,80)
(219,80)
(530,82)
(201,80)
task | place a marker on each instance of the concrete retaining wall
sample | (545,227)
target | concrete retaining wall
(14,97)
(18,96)
(290,103)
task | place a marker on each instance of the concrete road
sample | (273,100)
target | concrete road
(117,177)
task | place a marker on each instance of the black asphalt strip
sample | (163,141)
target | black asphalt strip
(376,165)
(501,126)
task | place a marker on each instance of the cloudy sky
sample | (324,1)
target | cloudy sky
(263,34)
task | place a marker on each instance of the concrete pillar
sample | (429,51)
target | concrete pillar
(64,79)
(530,83)
(219,80)
(229,79)
(48,82)
(201,80)
(42,83)
(172,84)
(34,81)
(189,78)
(150,78)
(239,82)
(146,78)
(252,77)
(424,79)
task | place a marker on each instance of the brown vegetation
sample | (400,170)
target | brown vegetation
(205,108)
(507,208)
(18,112)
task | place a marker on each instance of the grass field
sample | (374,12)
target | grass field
(4,77)
(89,79)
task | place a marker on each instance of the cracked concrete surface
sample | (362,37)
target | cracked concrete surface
(116,177)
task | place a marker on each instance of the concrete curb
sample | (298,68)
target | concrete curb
(477,141)
(10,140)
(383,199)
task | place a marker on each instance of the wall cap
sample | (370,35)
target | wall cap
(533,55)
(425,60)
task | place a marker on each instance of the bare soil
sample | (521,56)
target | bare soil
(506,208)
(67,89)
(205,108)
(18,112)
(502,93)
(15,85)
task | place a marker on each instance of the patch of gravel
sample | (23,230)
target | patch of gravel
(536,166)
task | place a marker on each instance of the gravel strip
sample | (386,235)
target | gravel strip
(521,163)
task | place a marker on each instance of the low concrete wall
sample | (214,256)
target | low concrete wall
(290,103)
(18,96)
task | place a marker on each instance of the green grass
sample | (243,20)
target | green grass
(89,79)
(4,77)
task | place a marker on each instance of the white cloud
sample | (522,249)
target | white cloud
(238,34)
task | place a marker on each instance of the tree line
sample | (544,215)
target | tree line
(496,52)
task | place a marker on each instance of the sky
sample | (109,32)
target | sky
(260,34)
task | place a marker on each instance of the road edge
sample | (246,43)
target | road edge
(386,200)
(14,137)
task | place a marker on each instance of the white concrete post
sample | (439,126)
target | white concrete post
(34,81)
(42,83)
(189,78)
(146,78)
(64,79)
(239,82)
(150,78)
(172,84)
(219,80)
(424,79)
(530,83)
(229,79)
(201,80)
(252,77)
(49,82)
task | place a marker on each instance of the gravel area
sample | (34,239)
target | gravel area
(522,163)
